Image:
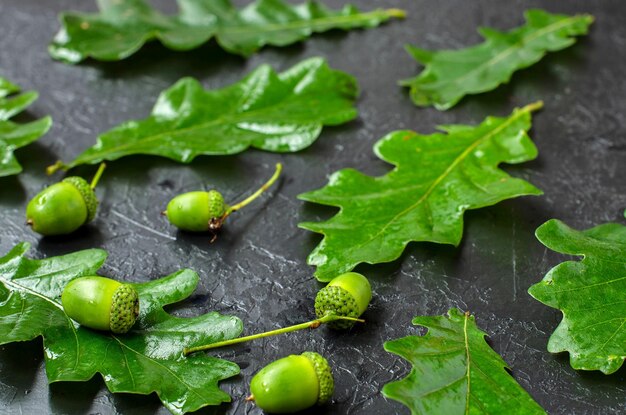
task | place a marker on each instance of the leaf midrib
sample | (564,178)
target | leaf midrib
(303,24)
(274,27)
(590,285)
(469,359)
(467,376)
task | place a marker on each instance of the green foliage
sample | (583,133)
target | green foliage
(123,26)
(455,371)
(436,179)
(147,359)
(589,293)
(449,75)
(13,135)
(280,112)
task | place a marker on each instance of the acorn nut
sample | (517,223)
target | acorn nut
(346,295)
(101,303)
(206,211)
(63,207)
(197,211)
(292,384)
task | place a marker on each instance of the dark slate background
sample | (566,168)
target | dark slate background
(257,270)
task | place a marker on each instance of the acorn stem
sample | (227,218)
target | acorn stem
(96,177)
(246,201)
(313,324)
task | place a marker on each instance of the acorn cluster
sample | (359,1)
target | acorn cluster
(287,385)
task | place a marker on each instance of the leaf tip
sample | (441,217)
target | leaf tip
(20,249)
(423,56)
(546,228)
(47,120)
(588,18)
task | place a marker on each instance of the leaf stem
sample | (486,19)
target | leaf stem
(313,324)
(535,106)
(397,13)
(96,177)
(246,201)
(59,165)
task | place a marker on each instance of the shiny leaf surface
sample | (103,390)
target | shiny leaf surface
(455,371)
(436,179)
(449,75)
(123,26)
(147,359)
(13,135)
(590,293)
(280,112)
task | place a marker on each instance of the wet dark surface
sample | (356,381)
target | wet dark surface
(257,270)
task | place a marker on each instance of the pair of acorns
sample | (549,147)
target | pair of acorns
(297,382)
(287,385)
(64,207)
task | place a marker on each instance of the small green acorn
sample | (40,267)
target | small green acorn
(339,304)
(347,295)
(292,384)
(206,211)
(64,207)
(101,303)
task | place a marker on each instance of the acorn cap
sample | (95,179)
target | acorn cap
(336,300)
(124,309)
(217,207)
(89,196)
(324,376)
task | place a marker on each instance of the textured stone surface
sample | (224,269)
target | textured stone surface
(256,270)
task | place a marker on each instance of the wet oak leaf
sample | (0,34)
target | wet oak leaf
(123,26)
(590,293)
(14,135)
(449,75)
(279,112)
(147,359)
(454,371)
(436,179)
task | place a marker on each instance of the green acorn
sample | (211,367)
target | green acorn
(339,304)
(64,207)
(347,295)
(207,211)
(101,303)
(292,384)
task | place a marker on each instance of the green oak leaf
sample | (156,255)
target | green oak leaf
(590,293)
(455,371)
(13,135)
(123,26)
(7,88)
(449,75)
(147,359)
(436,179)
(280,112)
